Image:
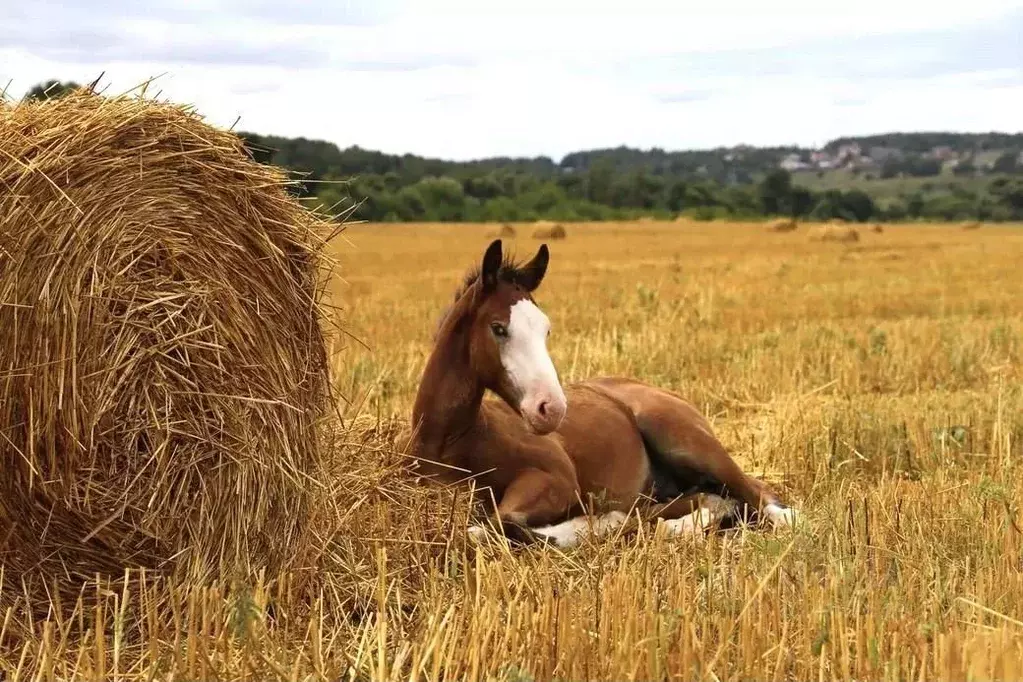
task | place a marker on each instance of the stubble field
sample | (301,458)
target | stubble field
(875,384)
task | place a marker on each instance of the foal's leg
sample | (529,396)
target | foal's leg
(531,502)
(535,492)
(572,532)
(685,442)
(683,439)
(535,507)
(712,511)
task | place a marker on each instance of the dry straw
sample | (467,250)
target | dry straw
(165,370)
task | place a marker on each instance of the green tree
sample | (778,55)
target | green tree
(964,168)
(801,201)
(443,196)
(51,89)
(1009,194)
(1006,163)
(776,192)
(676,199)
(485,187)
(409,204)
(859,205)
(598,182)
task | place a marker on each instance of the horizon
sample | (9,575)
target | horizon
(448,80)
(645,150)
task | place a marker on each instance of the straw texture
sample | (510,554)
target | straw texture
(163,366)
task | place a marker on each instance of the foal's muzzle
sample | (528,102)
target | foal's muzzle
(544,411)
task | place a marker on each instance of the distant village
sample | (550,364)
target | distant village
(853,157)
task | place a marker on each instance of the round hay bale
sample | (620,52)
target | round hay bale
(782,225)
(878,228)
(165,373)
(834,232)
(506,231)
(971,225)
(546,230)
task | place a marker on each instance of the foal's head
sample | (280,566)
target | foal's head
(508,338)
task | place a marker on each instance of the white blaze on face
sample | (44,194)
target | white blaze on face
(530,369)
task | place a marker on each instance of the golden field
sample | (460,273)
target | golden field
(875,383)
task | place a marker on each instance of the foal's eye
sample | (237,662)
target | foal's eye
(500,331)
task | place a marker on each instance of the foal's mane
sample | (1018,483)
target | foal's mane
(509,273)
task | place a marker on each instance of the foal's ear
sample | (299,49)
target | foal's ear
(491,266)
(531,274)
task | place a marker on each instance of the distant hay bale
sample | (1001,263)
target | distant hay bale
(506,231)
(546,230)
(878,228)
(782,225)
(971,225)
(834,233)
(165,373)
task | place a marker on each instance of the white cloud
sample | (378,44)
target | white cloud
(466,79)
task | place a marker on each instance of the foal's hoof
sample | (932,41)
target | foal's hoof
(516,535)
(710,514)
(779,516)
(689,526)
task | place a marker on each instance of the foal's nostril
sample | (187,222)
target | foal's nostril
(542,409)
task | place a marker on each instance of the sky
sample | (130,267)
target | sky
(458,79)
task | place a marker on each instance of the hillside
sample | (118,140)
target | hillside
(921,154)
(890,177)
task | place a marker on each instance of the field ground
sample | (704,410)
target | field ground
(877,384)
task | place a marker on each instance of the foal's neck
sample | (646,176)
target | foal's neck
(450,394)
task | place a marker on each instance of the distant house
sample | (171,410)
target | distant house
(848,152)
(793,162)
(943,153)
(821,159)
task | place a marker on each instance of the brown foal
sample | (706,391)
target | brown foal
(542,449)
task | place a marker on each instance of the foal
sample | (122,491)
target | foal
(541,449)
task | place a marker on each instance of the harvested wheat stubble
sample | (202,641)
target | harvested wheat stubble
(544,229)
(164,370)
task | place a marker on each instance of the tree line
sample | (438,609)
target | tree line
(618,183)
